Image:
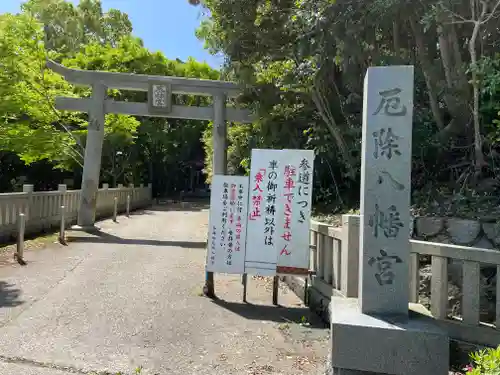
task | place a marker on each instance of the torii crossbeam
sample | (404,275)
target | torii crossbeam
(160,90)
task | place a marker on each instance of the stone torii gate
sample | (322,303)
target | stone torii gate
(160,90)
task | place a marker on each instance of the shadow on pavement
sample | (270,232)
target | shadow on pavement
(103,237)
(278,314)
(9,295)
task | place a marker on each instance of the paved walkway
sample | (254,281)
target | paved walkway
(131,297)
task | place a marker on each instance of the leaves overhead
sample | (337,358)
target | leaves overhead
(29,121)
(306,60)
(83,36)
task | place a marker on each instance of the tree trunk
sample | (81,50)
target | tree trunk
(323,109)
(478,142)
(457,56)
(455,99)
(396,37)
(446,59)
(426,69)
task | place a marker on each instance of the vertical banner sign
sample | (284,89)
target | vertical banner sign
(385,190)
(279,213)
(226,231)
(263,211)
(294,223)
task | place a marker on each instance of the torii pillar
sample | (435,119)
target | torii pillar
(92,158)
(219,162)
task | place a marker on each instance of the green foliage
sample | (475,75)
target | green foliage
(27,89)
(305,61)
(156,149)
(241,138)
(70,27)
(31,126)
(208,149)
(83,36)
(489,71)
(485,362)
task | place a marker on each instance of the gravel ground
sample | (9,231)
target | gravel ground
(131,297)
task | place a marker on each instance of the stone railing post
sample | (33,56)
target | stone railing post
(350,256)
(115,209)
(105,186)
(313,239)
(320,243)
(119,197)
(21,227)
(63,188)
(27,188)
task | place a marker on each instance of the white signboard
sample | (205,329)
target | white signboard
(227,232)
(263,213)
(295,221)
(279,212)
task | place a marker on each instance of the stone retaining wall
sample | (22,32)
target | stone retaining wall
(457,231)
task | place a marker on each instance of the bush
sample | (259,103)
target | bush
(485,362)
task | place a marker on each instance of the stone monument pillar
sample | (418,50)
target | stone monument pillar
(385,190)
(374,334)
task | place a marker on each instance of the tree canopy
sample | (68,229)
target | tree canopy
(84,36)
(303,59)
(306,60)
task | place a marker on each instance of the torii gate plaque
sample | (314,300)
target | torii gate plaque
(160,90)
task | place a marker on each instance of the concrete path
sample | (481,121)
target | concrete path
(131,297)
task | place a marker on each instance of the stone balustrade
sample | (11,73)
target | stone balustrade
(455,284)
(43,208)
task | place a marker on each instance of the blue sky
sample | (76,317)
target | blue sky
(164,25)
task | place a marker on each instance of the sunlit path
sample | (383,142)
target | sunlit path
(131,297)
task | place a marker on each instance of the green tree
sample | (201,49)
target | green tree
(29,124)
(306,61)
(70,27)
(160,147)
(83,37)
